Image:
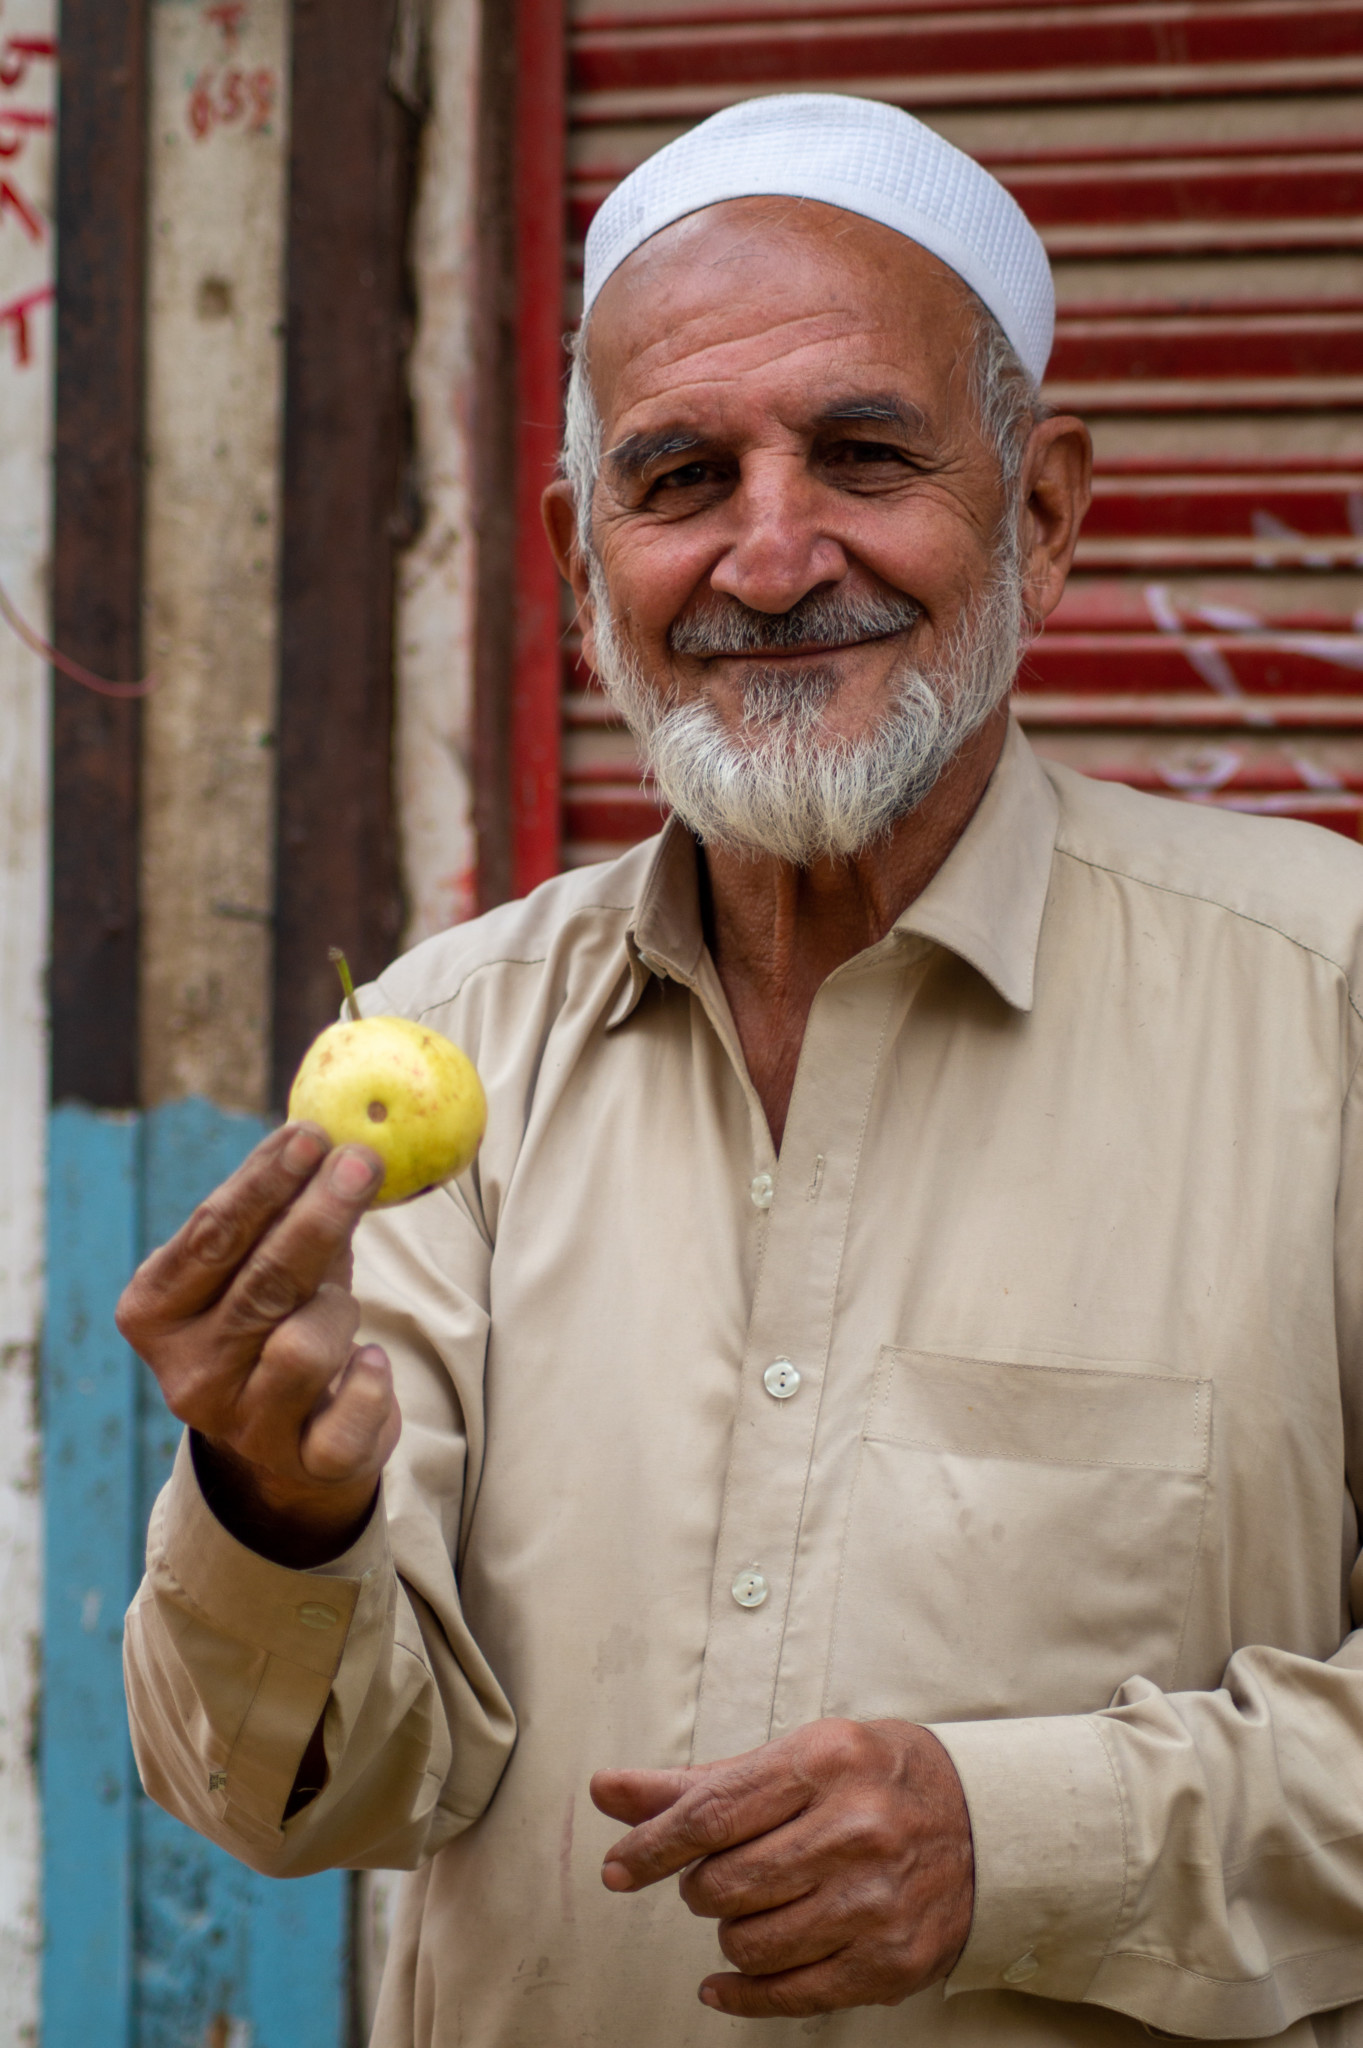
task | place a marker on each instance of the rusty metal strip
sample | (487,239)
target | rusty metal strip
(97,563)
(343,475)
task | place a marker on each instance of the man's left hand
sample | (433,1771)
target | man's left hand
(837,1861)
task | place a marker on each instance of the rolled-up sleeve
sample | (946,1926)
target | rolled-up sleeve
(232,1661)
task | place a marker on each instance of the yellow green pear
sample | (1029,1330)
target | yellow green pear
(400,1088)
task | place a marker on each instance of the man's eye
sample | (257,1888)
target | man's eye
(865,454)
(684,479)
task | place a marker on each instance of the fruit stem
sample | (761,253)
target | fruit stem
(342,966)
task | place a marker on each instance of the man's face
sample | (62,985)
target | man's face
(806,586)
(786,402)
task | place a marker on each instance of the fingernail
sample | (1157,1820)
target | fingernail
(352,1174)
(615,1877)
(303,1151)
(709,1996)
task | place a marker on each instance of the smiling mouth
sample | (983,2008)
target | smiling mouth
(812,630)
(809,650)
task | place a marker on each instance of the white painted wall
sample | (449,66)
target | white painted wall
(217,172)
(436,577)
(27,101)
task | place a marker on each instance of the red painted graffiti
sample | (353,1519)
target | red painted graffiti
(16,316)
(18,54)
(227,15)
(13,201)
(45,651)
(17,124)
(231,98)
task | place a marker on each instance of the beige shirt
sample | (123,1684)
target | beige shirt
(1027,1383)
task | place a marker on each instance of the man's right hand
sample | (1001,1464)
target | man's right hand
(247,1320)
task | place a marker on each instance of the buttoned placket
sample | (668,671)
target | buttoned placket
(803,1213)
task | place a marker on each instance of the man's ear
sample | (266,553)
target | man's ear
(1057,472)
(559,513)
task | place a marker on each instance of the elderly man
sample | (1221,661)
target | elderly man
(888,1400)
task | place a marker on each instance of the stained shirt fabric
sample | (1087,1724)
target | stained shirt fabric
(1019,1396)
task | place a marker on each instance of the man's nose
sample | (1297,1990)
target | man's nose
(780,549)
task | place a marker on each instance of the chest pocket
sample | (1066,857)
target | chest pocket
(1021,1538)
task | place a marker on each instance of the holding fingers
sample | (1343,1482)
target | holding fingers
(246,1319)
(837,1861)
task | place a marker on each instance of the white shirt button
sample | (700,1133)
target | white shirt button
(781,1379)
(750,1589)
(761,1190)
(1025,1967)
(316,1614)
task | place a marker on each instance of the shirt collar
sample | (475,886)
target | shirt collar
(665,936)
(986,900)
(984,903)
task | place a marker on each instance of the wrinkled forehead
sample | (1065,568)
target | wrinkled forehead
(777,288)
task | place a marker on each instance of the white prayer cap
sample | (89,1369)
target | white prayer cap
(864,156)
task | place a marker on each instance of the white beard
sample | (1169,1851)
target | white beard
(784,784)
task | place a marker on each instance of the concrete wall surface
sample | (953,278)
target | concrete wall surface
(27,102)
(218,165)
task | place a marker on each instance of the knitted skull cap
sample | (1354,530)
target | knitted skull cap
(864,156)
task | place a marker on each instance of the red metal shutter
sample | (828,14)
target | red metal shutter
(1196,170)
(533,721)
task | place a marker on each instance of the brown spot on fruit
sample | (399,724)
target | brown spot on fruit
(378,1112)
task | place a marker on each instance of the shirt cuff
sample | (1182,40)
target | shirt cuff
(269,1606)
(1050,1853)
(293,1624)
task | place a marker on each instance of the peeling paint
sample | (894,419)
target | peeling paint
(436,575)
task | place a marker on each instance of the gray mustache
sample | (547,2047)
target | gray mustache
(728,626)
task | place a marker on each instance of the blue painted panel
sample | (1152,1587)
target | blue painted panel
(225,1956)
(154,1939)
(89,1381)
(217,1945)
(298,1961)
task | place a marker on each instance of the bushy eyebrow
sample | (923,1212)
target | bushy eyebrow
(632,456)
(629,458)
(881,409)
